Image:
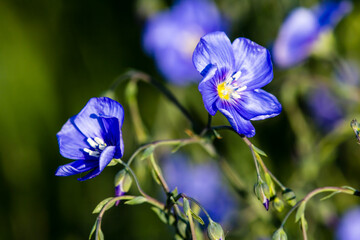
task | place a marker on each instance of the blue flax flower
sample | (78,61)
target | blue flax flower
(171,37)
(233,75)
(302,30)
(202,181)
(92,138)
(349,226)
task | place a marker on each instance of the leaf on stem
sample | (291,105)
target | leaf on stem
(101,205)
(258,150)
(93,229)
(197,217)
(136,200)
(165,218)
(300,212)
(148,151)
(330,195)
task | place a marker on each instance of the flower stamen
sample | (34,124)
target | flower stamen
(230,88)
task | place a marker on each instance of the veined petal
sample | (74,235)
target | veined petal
(87,121)
(296,38)
(254,63)
(208,88)
(213,49)
(112,135)
(257,105)
(76,167)
(106,156)
(71,141)
(241,125)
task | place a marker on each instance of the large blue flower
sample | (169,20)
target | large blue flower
(92,138)
(303,28)
(348,228)
(202,181)
(171,36)
(233,75)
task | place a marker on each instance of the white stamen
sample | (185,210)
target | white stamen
(99,141)
(92,153)
(236,76)
(92,143)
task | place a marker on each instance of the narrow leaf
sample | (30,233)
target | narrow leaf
(300,212)
(177,147)
(101,205)
(93,229)
(165,218)
(186,206)
(136,200)
(259,151)
(329,196)
(148,152)
(197,217)
(100,235)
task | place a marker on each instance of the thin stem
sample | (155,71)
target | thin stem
(192,226)
(158,174)
(303,227)
(150,199)
(197,203)
(209,121)
(283,188)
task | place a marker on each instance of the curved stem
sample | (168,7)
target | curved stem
(197,203)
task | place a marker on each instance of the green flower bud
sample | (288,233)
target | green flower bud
(279,235)
(215,231)
(262,192)
(278,204)
(122,182)
(289,196)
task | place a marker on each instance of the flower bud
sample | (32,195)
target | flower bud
(278,204)
(289,196)
(279,235)
(262,192)
(122,183)
(215,231)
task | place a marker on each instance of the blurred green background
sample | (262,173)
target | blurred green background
(56,55)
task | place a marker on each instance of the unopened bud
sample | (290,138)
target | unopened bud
(289,196)
(215,231)
(279,235)
(278,204)
(261,190)
(122,183)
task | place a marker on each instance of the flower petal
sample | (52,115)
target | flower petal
(254,62)
(296,38)
(71,141)
(106,156)
(75,167)
(330,13)
(257,105)
(112,135)
(208,88)
(241,125)
(87,121)
(213,49)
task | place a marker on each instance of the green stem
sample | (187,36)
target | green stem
(197,203)
(192,226)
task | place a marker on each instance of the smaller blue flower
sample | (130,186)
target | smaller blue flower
(202,181)
(92,138)
(171,36)
(233,75)
(325,108)
(302,30)
(349,226)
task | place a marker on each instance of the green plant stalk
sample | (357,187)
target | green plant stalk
(183,195)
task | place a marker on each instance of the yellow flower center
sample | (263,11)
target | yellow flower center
(224,91)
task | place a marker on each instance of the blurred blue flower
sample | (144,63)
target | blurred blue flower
(349,226)
(303,28)
(233,75)
(325,108)
(347,73)
(171,36)
(203,182)
(92,138)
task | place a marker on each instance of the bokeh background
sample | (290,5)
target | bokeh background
(56,55)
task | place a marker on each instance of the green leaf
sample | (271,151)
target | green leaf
(101,205)
(155,176)
(100,235)
(136,200)
(177,147)
(112,163)
(329,196)
(196,217)
(148,152)
(93,229)
(259,151)
(165,218)
(186,206)
(217,134)
(300,212)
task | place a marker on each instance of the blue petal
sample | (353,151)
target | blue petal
(208,88)
(213,49)
(76,167)
(330,13)
(296,38)
(257,105)
(71,141)
(87,121)
(254,62)
(241,125)
(113,135)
